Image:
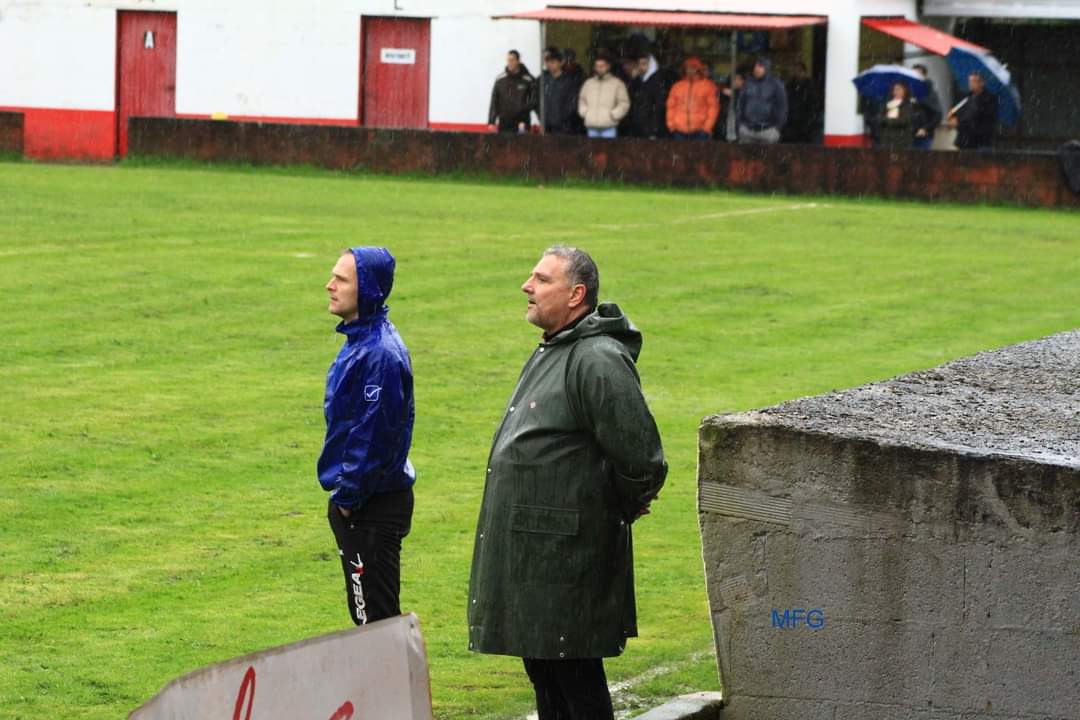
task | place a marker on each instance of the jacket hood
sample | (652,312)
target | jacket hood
(375,278)
(653,67)
(765,63)
(607,319)
(694,68)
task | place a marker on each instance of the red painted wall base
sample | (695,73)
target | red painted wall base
(50,134)
(856,141)
(57,134)
(342,122)
(459,127)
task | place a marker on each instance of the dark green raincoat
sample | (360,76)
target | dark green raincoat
(575,460)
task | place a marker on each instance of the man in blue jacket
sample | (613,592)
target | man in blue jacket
(762,108)
(369,422)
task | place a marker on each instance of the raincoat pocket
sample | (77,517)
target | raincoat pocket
(543,545)
(544,520)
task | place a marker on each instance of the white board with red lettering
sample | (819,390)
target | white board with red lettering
(375,671)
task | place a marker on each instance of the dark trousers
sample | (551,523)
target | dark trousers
(510,125)
(570,689)
(369,543)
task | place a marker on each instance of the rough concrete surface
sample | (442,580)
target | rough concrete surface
(696,706)
(923,535)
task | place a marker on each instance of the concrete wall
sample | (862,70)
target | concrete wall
(929,529)
(1026,179)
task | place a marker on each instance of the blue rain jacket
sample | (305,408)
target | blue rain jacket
(369,396)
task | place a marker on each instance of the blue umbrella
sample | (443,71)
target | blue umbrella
(877,82)
(998,80)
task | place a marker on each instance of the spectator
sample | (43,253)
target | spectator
(603,100)
(927,112)
(627,71)
(897,119)
(762,109)
(729,100)
(693,105)
(572,68)
(804,108)
(559,93)
(648,94)
(870,109)
(513,97)
(975,117)
(544,63)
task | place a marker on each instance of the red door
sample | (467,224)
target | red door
(145,69)
(394,72)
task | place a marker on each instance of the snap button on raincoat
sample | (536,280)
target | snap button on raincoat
(575,460)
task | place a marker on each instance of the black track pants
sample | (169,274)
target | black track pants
(369,543)
(574,689)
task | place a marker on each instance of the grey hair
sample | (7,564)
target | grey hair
(580,270)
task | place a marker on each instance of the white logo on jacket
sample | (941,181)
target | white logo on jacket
(371,393)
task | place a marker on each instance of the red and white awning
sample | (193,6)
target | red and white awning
(924,36)
(659,18)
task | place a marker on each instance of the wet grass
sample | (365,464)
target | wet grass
(165,342)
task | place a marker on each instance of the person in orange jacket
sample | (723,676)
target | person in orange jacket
(693,105)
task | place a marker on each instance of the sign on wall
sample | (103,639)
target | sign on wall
(398,56)
(375,671)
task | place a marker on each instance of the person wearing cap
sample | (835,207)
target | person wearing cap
(693,105)
(648,98)
(762,110)
(369,414)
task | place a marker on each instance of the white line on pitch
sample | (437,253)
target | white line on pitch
(717,216)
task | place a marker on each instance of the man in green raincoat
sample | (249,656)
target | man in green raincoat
(576,459)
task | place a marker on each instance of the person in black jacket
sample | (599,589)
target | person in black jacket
(560,95)
(804,108)
(513,98)
(975,117)
(927,112)
(648,99)
(897,119)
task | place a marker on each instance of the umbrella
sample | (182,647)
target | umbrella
(877,82)
(998,80)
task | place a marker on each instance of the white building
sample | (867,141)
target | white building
(77,69)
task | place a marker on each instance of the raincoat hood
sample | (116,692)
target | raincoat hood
(375,279)
(608,319)
(694,68)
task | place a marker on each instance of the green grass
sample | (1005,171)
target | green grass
(165,340)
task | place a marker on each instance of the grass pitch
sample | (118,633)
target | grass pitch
(164,345)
